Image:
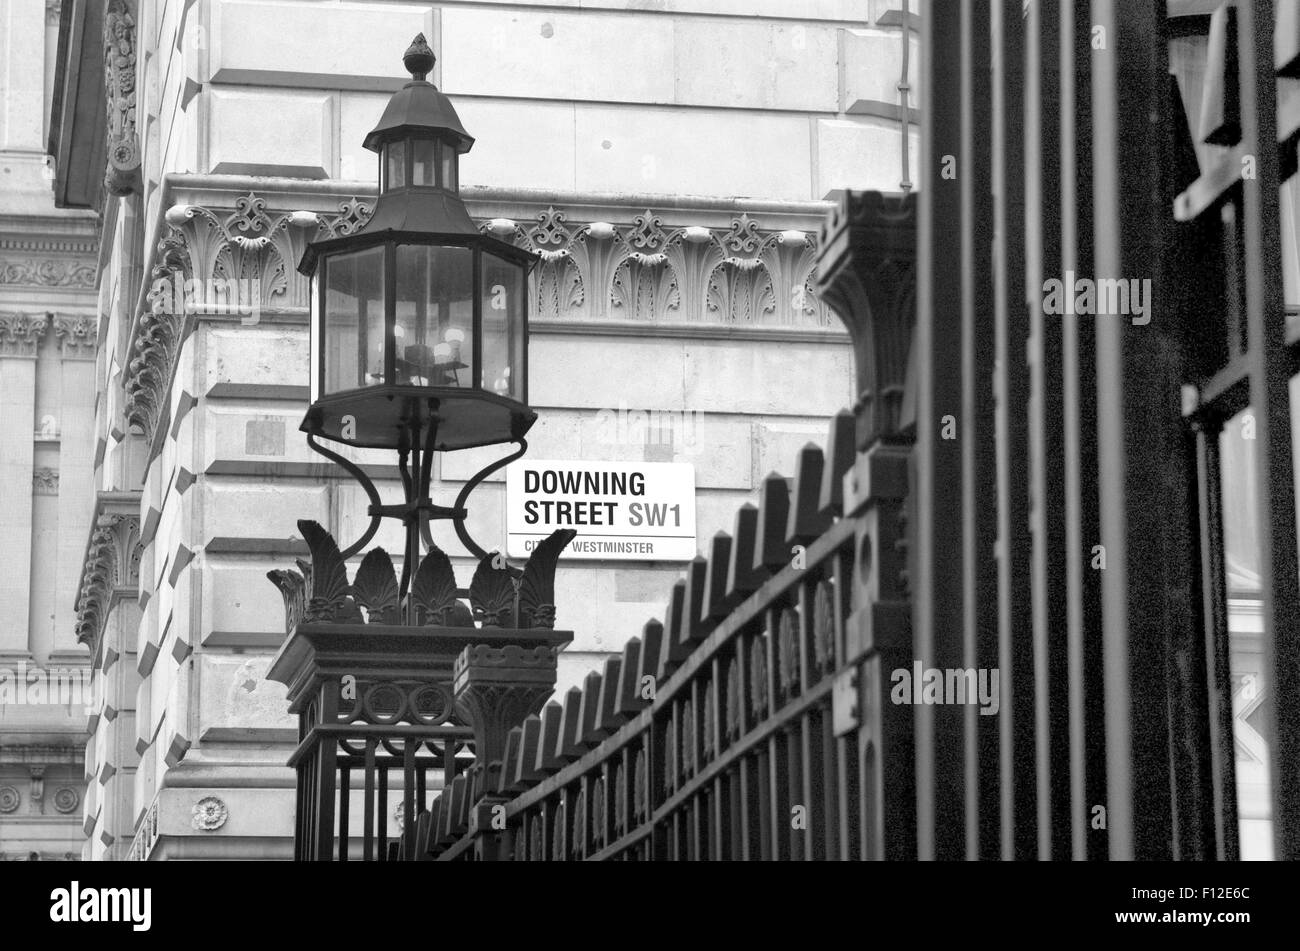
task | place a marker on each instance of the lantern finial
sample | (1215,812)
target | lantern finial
(418,58)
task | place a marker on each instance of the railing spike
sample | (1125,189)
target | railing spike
(742,579)
(455,827)
(607,716)
(806,520)
(771,553)
(512,752)
(838,459)
(569,746)
(524,769)
(588,726)
(629,701)
(463,800)
(652,641)
(694,627)
(715,587)
(673,652)
(548,761)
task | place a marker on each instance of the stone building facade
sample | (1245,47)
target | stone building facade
(47,404)
(670,163)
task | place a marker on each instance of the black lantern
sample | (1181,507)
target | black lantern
(419,325)
(419,322)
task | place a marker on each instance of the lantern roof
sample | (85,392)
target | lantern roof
(419,106)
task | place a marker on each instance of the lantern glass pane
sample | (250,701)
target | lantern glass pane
(354,320)
(435,316)
(449,168)
(504,301)
(396,157)
(423,161)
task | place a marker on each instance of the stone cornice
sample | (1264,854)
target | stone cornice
(485,202)
(43,241)
(20,334)
(111,565)
(644,259)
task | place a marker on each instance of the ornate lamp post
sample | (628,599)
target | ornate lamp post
(419,322)
(419,343)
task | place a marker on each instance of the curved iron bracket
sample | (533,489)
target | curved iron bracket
(417,483)
(458,522)
(363,480)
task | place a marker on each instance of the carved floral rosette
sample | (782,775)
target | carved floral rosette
(210,814)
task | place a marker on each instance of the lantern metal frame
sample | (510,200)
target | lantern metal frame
(419,420)
(514,414)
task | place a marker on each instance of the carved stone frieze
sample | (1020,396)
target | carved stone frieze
(644,271)
(212,261)
(48,272)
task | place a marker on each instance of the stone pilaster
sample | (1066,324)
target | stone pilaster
(20,337)
(76,335)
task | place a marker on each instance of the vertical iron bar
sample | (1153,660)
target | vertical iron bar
(1017,784)
(1083,632)
(345,802)
(368,839)
(1138,424)
(1043,173)
(1267,360)
(937,600)
(1217,663)
(383,810)
(978,445)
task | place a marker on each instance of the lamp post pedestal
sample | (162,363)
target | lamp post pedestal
(388,711)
